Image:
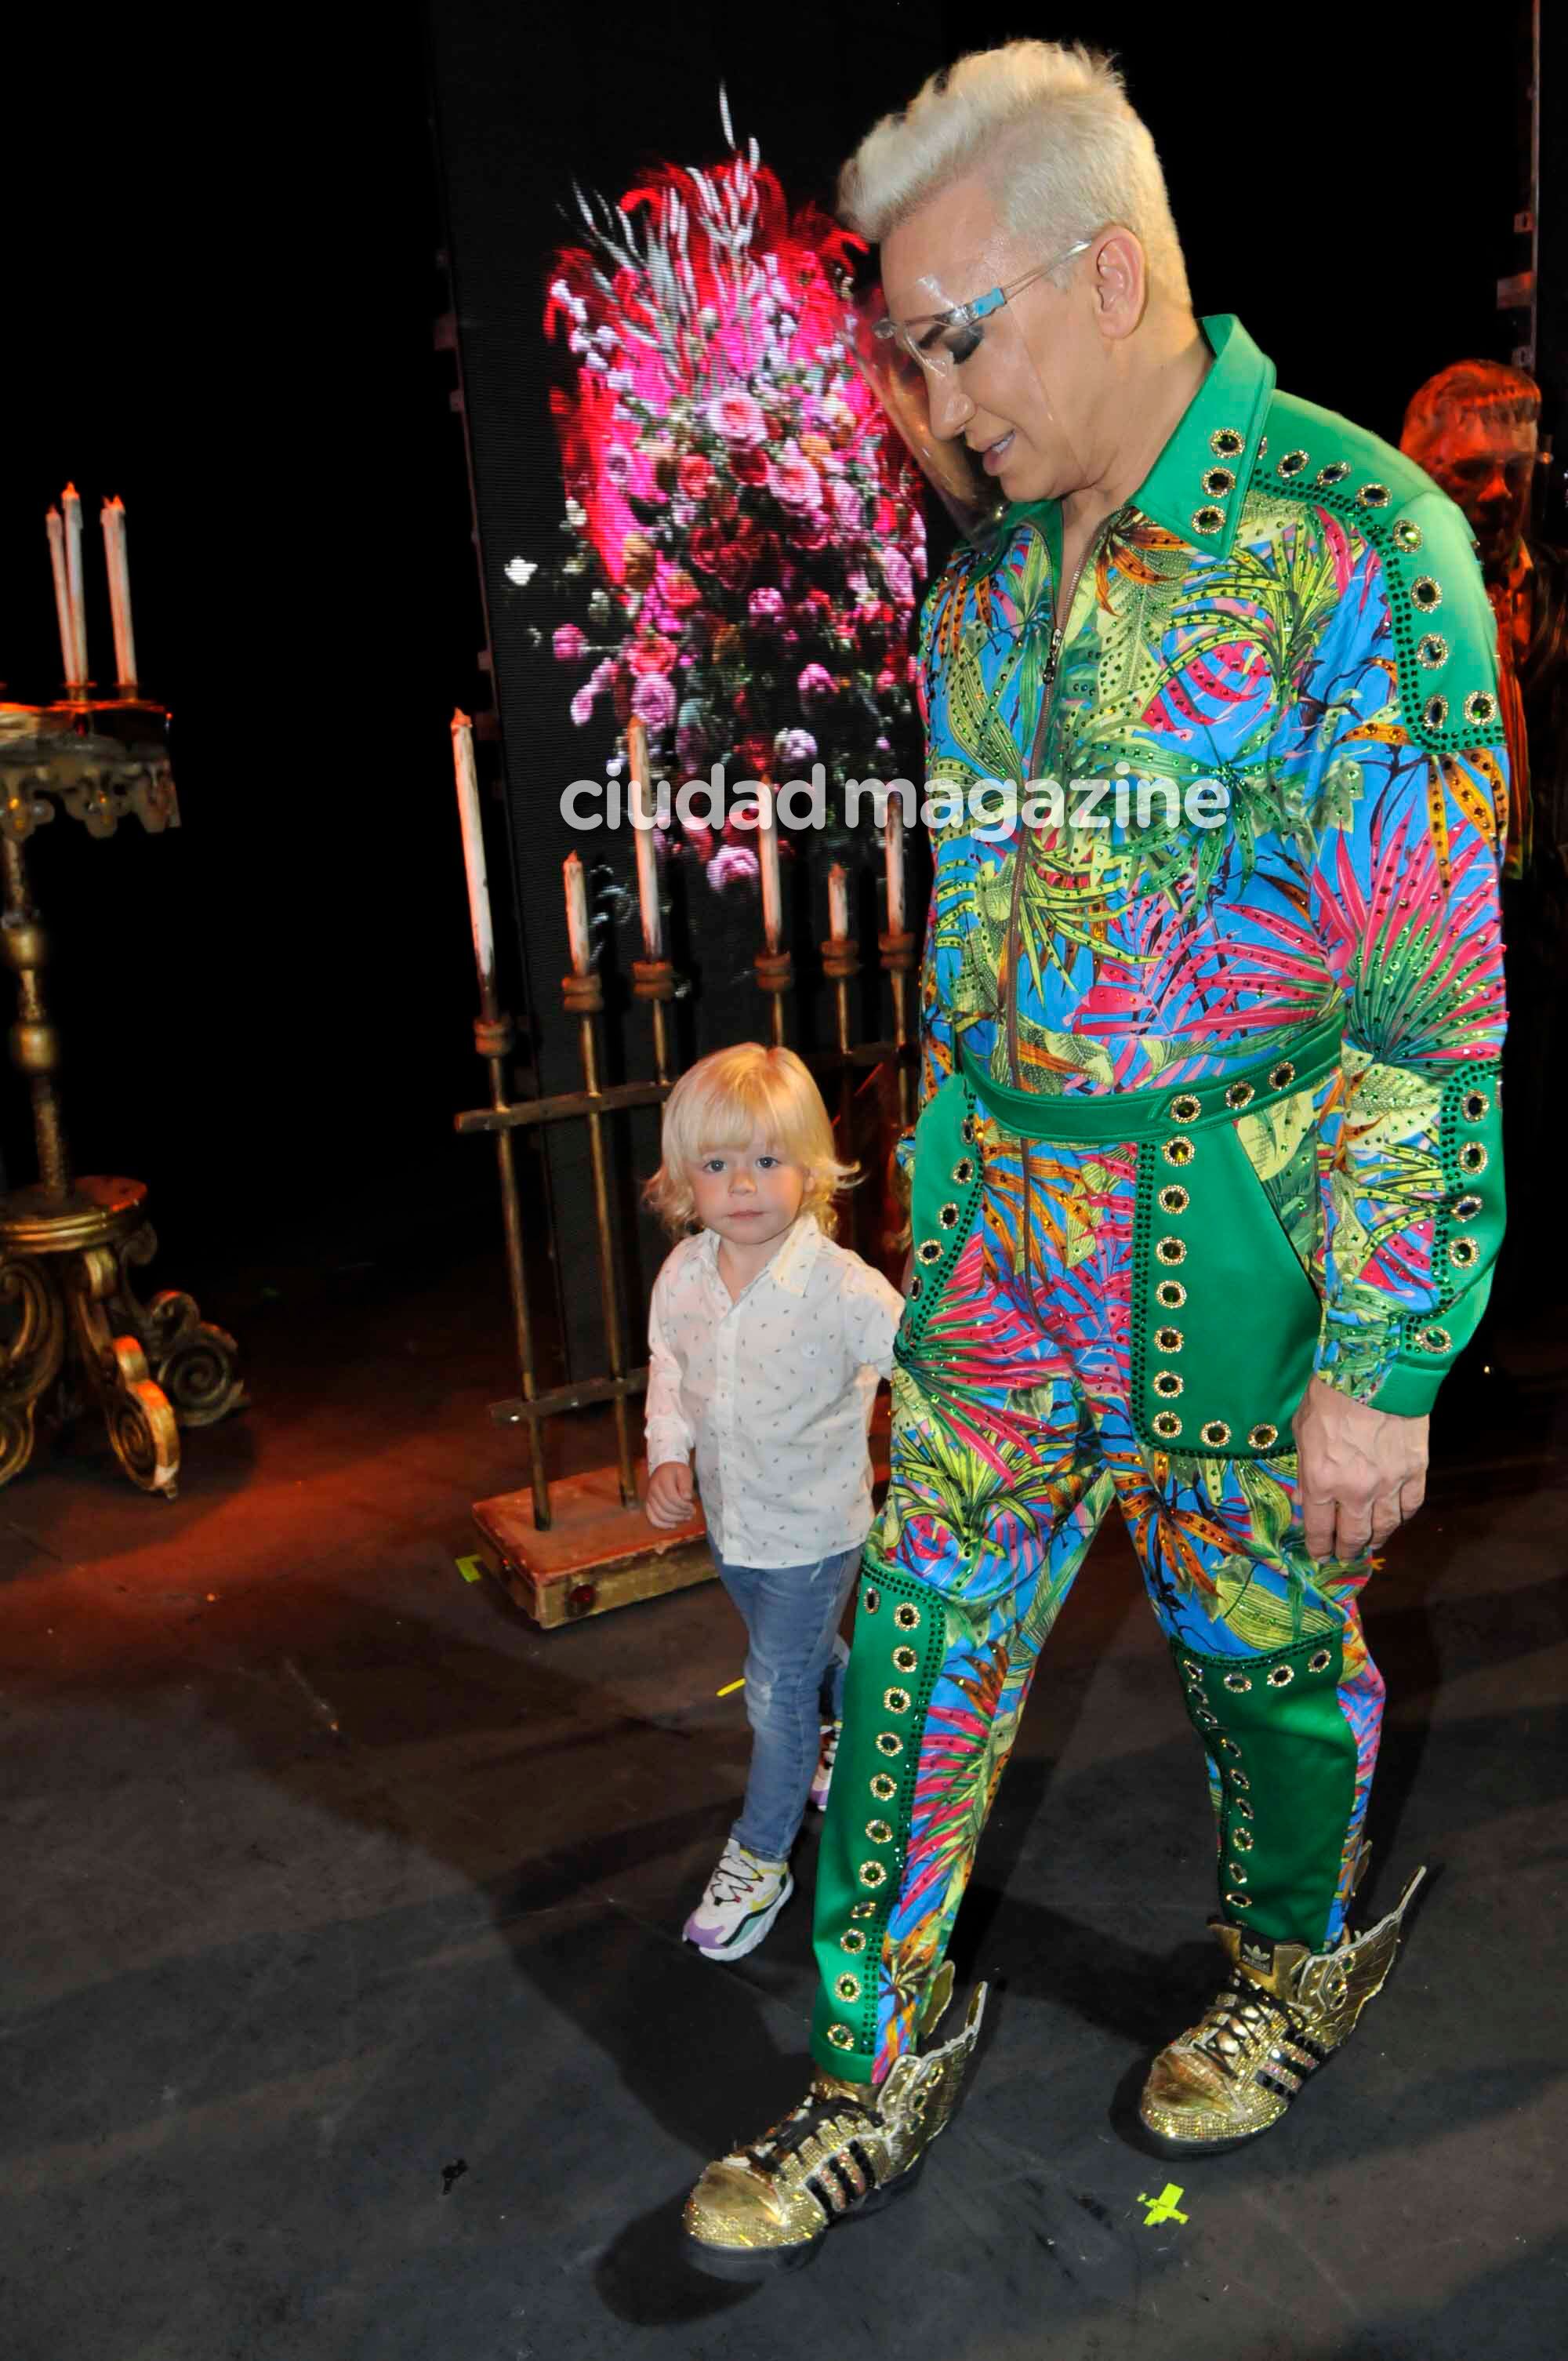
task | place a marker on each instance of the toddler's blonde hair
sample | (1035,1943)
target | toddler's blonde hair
(721,1102)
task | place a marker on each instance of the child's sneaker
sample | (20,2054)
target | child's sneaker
(744,1896)
(822,1777)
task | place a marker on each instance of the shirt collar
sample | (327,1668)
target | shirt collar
(788,1266)
(1196,486)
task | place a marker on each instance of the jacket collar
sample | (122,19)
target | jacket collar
(1196,486)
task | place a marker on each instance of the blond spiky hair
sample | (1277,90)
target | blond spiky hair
(1048,127)
(721,1102)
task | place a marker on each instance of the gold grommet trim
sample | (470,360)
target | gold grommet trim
(872,1873)
(1322,1661)
(879,1832)
(1170,1340)
(1474,1105)
(889,1743)
(848,1988)
(905,1660)
(1280,1077)
(1463,1252)
(1434,713)
(1238,1684)
(1167,1426)
(852,1940)
(1291,464)
(1373,496)
(1170,1294)
(1216,1433)
(1481,706)
(1174,1198)
(1431,651)
(840,2037)
(1238,1095)
(1407,535)
(1218,482)
(1167,1384)
(896,1700)
(1207,519)
(1227,442)
(1171,1251)
(1426,593)
(1281,1676)
(1177,1151)
(1186,1108)
(907,1615)
(1473,1157)
(1334,473)
(1262,1437)
(885,1787)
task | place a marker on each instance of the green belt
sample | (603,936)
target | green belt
(1224,1317)
(1083,1120)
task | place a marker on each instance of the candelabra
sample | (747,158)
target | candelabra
(68,1241)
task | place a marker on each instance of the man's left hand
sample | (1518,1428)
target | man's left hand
(1362,1471)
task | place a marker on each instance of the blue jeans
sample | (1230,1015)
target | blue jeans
(795,1682)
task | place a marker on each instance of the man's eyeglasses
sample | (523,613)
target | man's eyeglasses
(940,340)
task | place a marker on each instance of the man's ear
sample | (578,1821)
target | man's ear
(1119,277)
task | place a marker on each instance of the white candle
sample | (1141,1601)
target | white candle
(473,849)
(642,839)
(61,594)
(113,519)
(71,503)
(838,903)
(768,862)
(576,912)
(895,834)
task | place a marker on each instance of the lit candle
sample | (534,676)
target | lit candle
(895,837)
(576,912)
(61,594)
(643,839)
(473,849)
(113,519)
(838,903)
(71,503)
(768,862)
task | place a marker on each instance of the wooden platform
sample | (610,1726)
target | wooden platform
(597,1554)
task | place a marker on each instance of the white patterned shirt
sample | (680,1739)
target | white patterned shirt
(773,1392)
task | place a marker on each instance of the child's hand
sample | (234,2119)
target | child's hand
(669,1501)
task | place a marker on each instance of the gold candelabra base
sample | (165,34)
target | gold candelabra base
(79,1335)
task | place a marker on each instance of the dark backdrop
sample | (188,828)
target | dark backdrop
(223,313)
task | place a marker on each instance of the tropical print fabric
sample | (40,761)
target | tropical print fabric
(1272,645)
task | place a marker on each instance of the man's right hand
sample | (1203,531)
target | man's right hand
(670,1496)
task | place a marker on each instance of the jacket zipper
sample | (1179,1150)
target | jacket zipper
(1047,699)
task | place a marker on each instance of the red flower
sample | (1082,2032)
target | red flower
(653,654)
(757,756)
(694,475)
(680,592)
(703,546)
(748,466)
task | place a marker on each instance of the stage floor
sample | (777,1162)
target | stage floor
(345,2014)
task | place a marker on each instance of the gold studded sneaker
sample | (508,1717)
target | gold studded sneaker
(1285,2012)
(847,2149)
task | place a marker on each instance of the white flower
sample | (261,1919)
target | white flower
(577,513)
(519,569)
